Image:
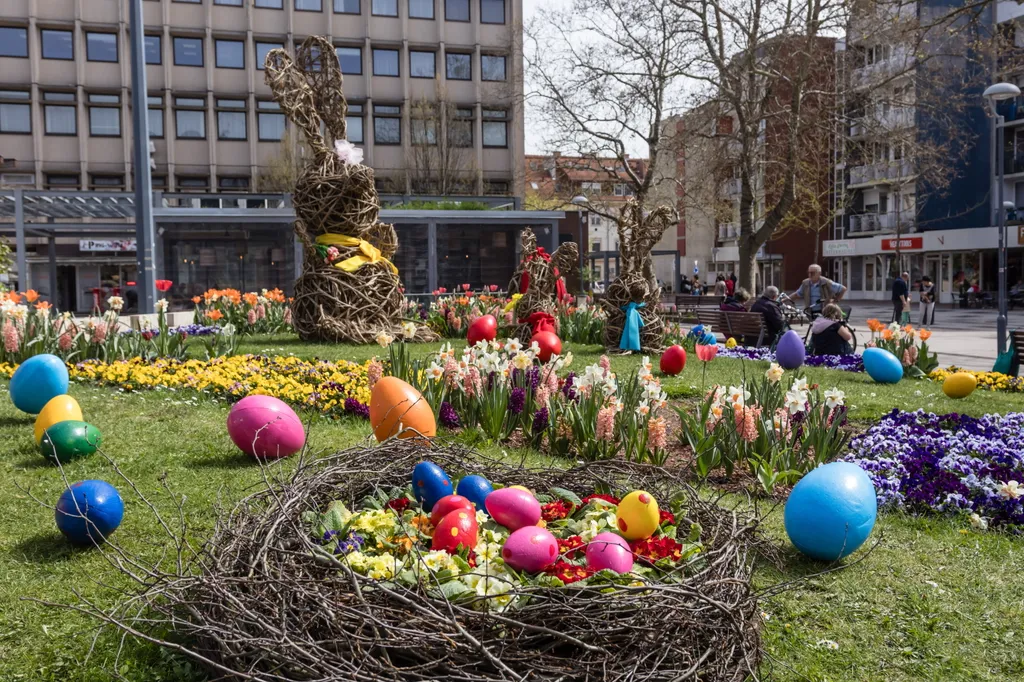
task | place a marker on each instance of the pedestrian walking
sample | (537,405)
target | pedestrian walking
(927,301)
(900,295)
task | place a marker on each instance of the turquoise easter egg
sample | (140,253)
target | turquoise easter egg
(882,366)
(831,511)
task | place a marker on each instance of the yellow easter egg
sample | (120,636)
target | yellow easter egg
(61,408)
(959,385)
(638,515)
(522,487)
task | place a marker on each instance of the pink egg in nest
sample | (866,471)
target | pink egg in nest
(530,549)
(611,551)
(513,508)
(265,427)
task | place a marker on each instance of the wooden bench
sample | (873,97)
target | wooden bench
(1017,338)
(746,328)
(684,307)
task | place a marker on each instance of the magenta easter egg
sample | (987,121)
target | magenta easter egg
(513,508)
(608,550)
(265,427)
(530,549)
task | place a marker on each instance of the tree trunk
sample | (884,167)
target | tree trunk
(748,263)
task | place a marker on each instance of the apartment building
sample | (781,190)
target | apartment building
(65,96)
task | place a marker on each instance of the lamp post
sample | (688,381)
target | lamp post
(582,202)
(993,95)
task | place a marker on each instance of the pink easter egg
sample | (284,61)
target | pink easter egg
(530,549)
(608,550)
(513,508)
(265,427)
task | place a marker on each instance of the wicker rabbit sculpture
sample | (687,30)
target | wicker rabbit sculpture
(349,290)
(632,298)
(538,282)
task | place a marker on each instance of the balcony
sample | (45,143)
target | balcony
(728,231)
(900,60)
(872,223)
(896,118)
(880,173)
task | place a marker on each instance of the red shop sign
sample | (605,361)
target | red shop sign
(906,244)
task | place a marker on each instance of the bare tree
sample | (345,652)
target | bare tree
(440,159)
(282,171)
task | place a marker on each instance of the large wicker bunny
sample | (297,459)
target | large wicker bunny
(538,281)
(349,290)
(632,298)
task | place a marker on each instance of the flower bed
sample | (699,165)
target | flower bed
(949,464)
(992,381)
(267,312)
(846,363)
(909,345)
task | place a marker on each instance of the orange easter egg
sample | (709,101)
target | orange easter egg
(394,406)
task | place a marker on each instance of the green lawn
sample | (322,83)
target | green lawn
(930,603)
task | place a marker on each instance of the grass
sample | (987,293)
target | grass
(888,618)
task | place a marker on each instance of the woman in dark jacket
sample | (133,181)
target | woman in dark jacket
(829,333)
(738,302)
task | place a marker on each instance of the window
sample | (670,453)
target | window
(387,124)
(354,123)
(58,44)
(496,187)
(190,118)
(188,51)
(60,119)
(459,66)
(159,181)
(492,11)
(13,41)
(384,8)
(269,121)
(424,131)
(105,115)
(233,184)
(15,112)
(309,5)
(460,128)
(421,9)
(62,180)
(106,181)
(351,59)
(233,3)
(153,48)
(421,64)
(456,10)
(347,7)
(155,111)
(193,182)
(101,47)
(229,54)
(492,67)
(262,50)
(13,179)
(495,132)
(385,62)
(269,4)
(231,119)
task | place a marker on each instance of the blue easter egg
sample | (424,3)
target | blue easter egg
(475,489)
(790,352)
(882,366)
(89,511)
(708,339)
(429,484)
(831,511)
(38,380)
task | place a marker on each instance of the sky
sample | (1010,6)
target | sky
(534,131)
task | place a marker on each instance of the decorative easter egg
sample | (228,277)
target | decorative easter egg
(959,384)
(447,505)
(484,328)
(265,427)
(790,352)
(549,344)
(60,408)
(37,381)
(457,529)
(394,406)
(637,515)
(513,508)
(530,549)
(709,339)
(89,511)
(475,489)
(673,360)
(429,484)
(608,550)
(831,511)
(882,366)
(69,440)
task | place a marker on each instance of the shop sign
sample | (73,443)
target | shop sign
(839,247)
(905,244)
(106,244)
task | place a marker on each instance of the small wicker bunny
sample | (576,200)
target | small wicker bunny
(538,282)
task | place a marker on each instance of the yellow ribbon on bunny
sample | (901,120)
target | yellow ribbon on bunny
(368,252)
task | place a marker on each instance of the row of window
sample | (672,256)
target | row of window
(491,11)
(60,117)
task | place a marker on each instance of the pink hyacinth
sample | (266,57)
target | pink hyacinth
(508,318)
(261,311)
(471,382)
(605,364)
(551,381)
(374,371)
(451,372)
(913,354)
(542,396)
(12,340)
(64,341)
(99,333)
(250,317)
(746,422)
(906,358)
(657,433)
(287,315)
(605,423)
(457,323)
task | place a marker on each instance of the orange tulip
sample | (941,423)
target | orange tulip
(925,334)
(887,334)
(251,298)
(214,315)
(43,305)
(31,295)
(13,297)
(196,300)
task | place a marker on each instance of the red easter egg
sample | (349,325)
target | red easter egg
(484,328)
(673,360)
(549,344)
(447,504)
(457,529)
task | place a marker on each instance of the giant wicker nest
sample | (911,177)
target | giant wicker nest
(636,282)
(257,602)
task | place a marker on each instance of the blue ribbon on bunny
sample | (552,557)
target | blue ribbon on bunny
(631,329)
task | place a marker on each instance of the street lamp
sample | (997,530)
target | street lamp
(994,94)
(582,202)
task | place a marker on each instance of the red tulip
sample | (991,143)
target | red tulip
(465,287)
(707,353)
(163,284)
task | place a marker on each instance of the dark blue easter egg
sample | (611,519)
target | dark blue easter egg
(89,511)
(790,352)
(831,511)
(475,489)
(882,366)
(429,484)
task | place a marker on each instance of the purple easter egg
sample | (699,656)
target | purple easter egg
(611,551)
(530,549)
(513,508)
(263,426)
(790,352)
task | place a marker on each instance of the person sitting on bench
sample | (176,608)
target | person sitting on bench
(829,333)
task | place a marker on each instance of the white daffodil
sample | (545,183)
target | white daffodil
(384,339)
(513,346)
(978,522)
(834,398)
(435,371)
(1011,490)
(799,385)
(774,373)
(738,396)
(408,330)
(161,305)
(115,303)
(795,401)
(522,361)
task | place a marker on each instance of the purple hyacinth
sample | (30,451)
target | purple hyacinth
(448,416)
(516,400)
(540,420)
(567,389)
(353,406)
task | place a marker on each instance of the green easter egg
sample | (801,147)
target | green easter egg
(69,440)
